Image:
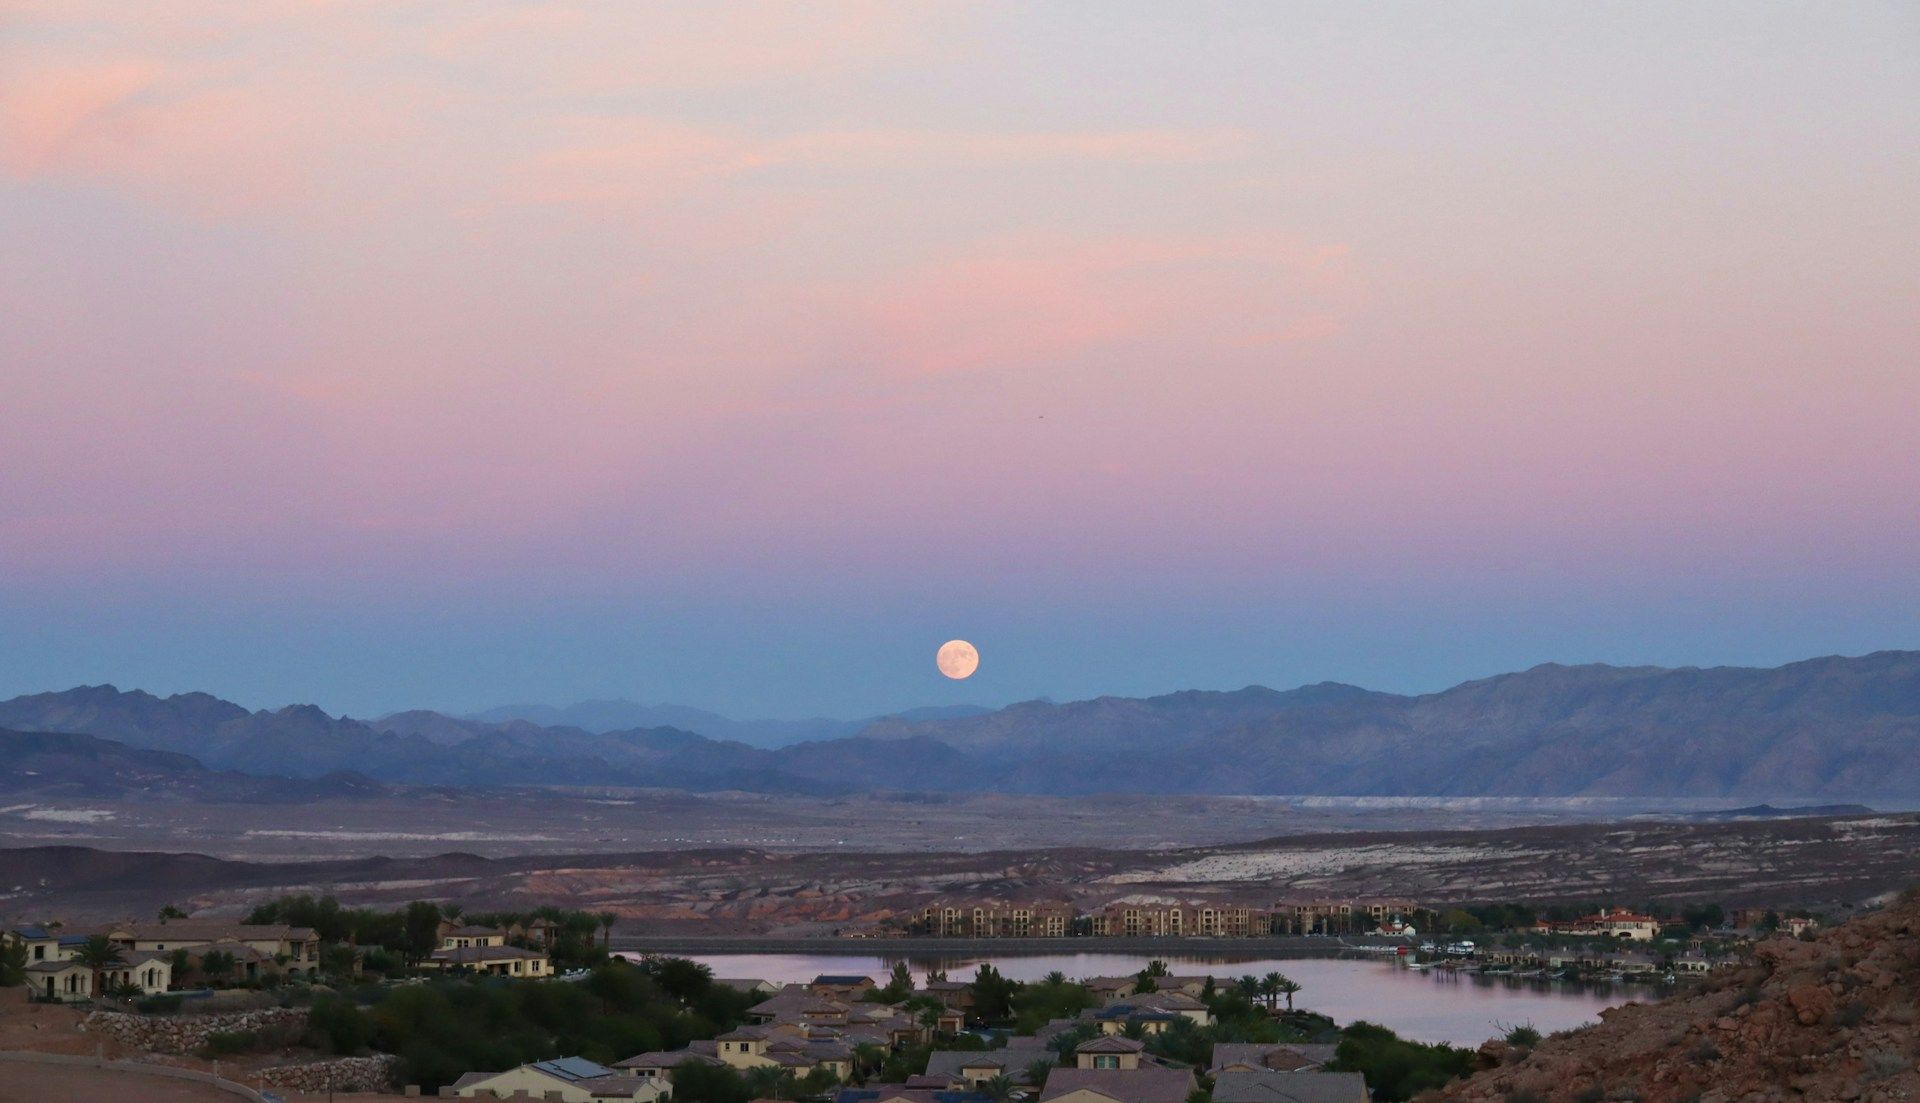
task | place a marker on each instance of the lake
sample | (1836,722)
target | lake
(1429,1006)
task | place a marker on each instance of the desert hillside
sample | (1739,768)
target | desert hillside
(1830,1019)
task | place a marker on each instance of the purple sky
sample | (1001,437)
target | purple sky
(448,354)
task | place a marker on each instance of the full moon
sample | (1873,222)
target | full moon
(958,659)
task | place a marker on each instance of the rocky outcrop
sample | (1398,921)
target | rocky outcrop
(1830,1019)
(187,1033)
(342,1074)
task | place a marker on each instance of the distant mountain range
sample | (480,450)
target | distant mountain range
(1826,728)
(622,715)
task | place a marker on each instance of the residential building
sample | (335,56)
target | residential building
(1109,1051)
(1290,1087)
(1269,1057)
(276,947)
(569,1079)
(1146,1084)
(499,961)
(843,987)
(454,936)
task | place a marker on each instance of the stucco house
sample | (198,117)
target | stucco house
(276,947)
(497,960)
(573,1079)
(1109,1051)
(60,979)
(1269,1057)
(1290,1087)
(1146,1084)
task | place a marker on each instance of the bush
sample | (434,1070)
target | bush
(159,1005)
(339,1026)
(1523,1036)
(1395,1068)
(226,1043)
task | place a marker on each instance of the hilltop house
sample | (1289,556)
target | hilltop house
(455,936)
(52,973)
(257,948)
(496,960)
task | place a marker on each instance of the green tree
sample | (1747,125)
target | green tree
(171,912)
(421,926)
(1395,1068)
(339,1026)
(770,1082)
(898,987)
(13,962)
(992,994)
(607,920)
(998,1088)
(99,953)
(218,965)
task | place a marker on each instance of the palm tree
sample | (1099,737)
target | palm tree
(1038,1072)
(998,1088)
(1248,986)
(607,920)
(767,1081)
(1054,978)
(1287,987)
(1270,989)
(99,953)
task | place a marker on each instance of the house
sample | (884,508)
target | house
(1268,1057)
(969,1069)
(660,1064)
(42,944)
(1290,1087)
(791,1046)
(276,947)
(454,936)
(1146,1084)
(1109,1051)
(499,961)
(900,1093)
(60,979)
(752,986)
(569,1079)
(797,1002)
(843,987)
(149,971)
(1108,988)
(955,995)
(1153,1011)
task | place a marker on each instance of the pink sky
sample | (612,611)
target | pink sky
(1198,305)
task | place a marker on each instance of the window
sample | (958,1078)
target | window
(1106,1061)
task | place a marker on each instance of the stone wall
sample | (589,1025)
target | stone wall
(186,1033)
(343,1074)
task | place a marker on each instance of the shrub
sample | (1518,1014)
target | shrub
(226,1043)
(1523,1036)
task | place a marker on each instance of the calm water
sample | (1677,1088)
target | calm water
(1430,1006)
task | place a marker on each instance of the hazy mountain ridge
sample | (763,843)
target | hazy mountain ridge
(49,764)
(603,716)
(1831,727)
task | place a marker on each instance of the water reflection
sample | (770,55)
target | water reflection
(1432,1005)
